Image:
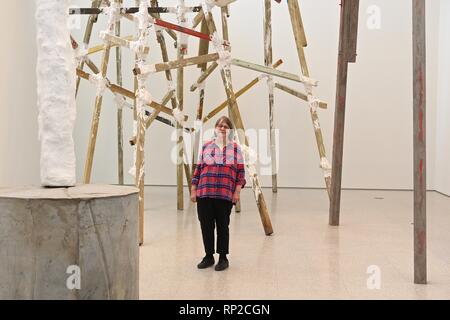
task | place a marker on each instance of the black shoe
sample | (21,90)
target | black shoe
(206,263)
(222,265)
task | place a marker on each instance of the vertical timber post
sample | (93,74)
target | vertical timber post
(181,50)
(348,36)
(87,36)
(268,61)
(419,118)
(119,110)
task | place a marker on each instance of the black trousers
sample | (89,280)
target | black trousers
(214,212)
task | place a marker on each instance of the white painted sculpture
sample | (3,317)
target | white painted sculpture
(56,79)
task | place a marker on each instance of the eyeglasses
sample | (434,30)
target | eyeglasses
(223,126)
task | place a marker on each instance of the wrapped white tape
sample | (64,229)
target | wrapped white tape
(142,15)
(316,124)
(224,55)
(270,84)
(216,40)
(250,155)
(120,101)
(198,124)
(102,35)
(326,167)
(144,96)
(138,46)
(225,59)
(113,12)
(183,22)
(207,5)
(81,53)
(178,115)
(314,102)
(146,69)
(201,85)
(99,82)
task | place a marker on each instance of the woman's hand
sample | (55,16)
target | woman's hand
(236,197)
(237,194)
(194,194)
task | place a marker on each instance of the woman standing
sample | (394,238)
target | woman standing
(216,187)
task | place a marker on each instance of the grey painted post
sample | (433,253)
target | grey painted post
(119,110)
(419,85)
(347,53)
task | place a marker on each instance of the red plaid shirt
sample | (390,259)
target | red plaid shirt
(218,172)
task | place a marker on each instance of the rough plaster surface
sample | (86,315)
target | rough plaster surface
(56,75)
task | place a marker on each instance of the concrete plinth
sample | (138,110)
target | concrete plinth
(54,241)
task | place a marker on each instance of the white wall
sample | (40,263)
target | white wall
(443,111)
(19,148)
(378,147)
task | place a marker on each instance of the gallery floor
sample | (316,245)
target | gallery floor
(305,258)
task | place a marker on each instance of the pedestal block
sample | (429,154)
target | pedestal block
(69,243)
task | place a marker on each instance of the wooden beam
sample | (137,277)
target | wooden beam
(347,49)
(185,30)
(226,36)
(87,36)
(239,93)
(130,10)
(123,43)
(301,43)
(165,56)
(268,61)
(120,165)
(177,64)
(95,122)
(299,33)
(239,126)
(102,47)
(205,74)
(140,122)
(198,19)
(180,98)
(129,94)
(300,95)
(419,125)
(271,71)
(203,47)
(155,113)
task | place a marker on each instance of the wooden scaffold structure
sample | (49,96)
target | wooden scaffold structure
(149,15)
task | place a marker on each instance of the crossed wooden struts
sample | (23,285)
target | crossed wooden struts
(148,13)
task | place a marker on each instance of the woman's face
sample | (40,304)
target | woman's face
(222,129)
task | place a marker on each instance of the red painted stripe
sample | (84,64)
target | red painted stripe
(422,239)
(421,126)
(188,31)
(421,169)
(421,120)
(422,87)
